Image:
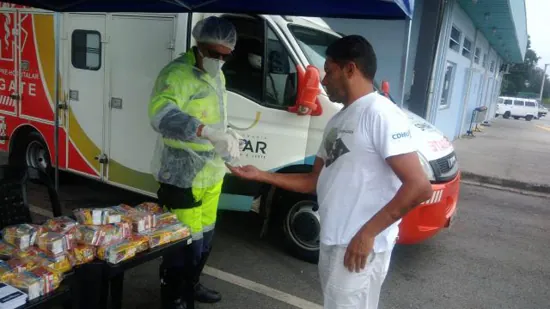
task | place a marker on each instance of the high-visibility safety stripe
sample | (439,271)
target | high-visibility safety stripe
(186,145)
(436,198)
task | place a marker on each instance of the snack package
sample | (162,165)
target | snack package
(166,218)
(178,231)
(7,251)
(19,265)
(61,224)
(51,279)
(22,236)
(28,283)
(97,216)
(117,252)
(140,241)
(52,243)
(82,254)
(141,221)
(6,272)
(60,263)
(123,229)
(150,208)
(99,235)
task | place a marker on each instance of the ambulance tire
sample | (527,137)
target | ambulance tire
(298,222)
(30,150)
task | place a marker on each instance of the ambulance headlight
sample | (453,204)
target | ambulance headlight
(427,167)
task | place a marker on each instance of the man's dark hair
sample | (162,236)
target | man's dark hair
(354,48)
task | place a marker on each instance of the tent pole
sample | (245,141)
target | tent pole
(405,62)
(57,32)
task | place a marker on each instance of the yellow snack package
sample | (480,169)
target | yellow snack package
(21,236)
(117,252)
(7,251)
(51,279)
(28,283)
(150,207)
(52,243)
(140,241)
(82,254)
(6,272)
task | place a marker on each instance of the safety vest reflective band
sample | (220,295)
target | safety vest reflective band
(207,146)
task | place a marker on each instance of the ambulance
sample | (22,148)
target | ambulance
(107,66)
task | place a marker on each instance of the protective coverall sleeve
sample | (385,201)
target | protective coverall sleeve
(165,115)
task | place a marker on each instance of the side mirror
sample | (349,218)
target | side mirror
(308,90)
(385,88)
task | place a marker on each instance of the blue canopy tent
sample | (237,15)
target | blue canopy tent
(367,9)
(374,9)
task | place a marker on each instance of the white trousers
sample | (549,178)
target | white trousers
(343,289)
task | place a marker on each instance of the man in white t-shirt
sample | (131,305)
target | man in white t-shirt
(367,176)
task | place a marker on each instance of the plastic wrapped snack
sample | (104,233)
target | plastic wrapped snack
(28,283)
(6,272)
(52,243)
(7,251)
(141,221)
(22,264)
(118,252)
(22,236)
(178,231)
(124,229)
(96,216)
(51,279)
(140,241)
(158,237)
(82,254)
(61,224)
(166,218)
(98,235)
(150,207)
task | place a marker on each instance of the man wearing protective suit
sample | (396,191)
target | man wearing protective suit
(188,110)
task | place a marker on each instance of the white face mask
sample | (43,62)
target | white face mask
(212,66)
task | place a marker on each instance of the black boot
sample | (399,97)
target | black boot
(202,293)
(171,282)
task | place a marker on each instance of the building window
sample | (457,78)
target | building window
(467,48)
(454,42)
(477,54)
(447,84)
(492,68)
(86,50)
(484,61)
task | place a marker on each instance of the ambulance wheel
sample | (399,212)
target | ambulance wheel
(506,115)
(299,222)
(529,117)
(31,151)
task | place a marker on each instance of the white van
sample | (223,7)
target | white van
(109,64)
(517,108)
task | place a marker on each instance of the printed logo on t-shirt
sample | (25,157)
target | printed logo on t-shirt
(334,146)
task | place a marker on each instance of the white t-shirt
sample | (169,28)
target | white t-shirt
(356,181)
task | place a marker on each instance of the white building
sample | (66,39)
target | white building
(457,55)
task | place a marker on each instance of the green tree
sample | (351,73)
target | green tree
(526,76)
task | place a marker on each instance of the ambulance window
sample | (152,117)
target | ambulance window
(500,100)
(86,50)
(261,68)
(508,102)
(281,80)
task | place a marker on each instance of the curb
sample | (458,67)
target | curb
(505,183)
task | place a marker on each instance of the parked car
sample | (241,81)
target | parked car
(517,108)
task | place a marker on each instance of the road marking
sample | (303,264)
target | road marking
(40,211)
(543,127)
(261,289)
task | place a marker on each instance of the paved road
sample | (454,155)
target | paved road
(510,149)
(494,256)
